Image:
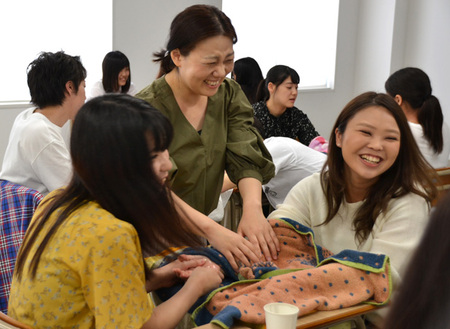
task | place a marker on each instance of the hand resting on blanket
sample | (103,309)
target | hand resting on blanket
(182,269)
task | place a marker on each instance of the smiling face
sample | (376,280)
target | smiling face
(285,94)
(370,145)
(124,74)
(203,70)
(161,164)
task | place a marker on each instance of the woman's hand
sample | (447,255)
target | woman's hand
(205,279)
(253,224)
(257,229)
(202,279)
(233,246)
(188,263)
(230,244)
(171,273)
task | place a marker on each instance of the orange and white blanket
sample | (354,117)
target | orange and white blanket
(305,275)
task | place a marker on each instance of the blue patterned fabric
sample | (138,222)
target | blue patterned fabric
(18,204)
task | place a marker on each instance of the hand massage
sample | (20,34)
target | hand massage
(121,236)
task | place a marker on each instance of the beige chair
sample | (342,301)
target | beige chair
(7,322)
(443,183)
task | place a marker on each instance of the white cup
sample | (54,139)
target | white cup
(281,316)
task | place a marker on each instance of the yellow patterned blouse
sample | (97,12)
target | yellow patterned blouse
(91,274)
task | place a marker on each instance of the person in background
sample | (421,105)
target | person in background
(37,154)
(212,119)
(375,191)
(411,88)
(81,263)
(248,74)
(275,107)
(423,299)
(116,76)
(293,162)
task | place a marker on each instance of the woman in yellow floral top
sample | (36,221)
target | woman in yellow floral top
(82,260)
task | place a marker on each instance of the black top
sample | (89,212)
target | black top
(293,123)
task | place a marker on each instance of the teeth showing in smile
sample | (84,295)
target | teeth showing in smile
(370,158)
(212,83)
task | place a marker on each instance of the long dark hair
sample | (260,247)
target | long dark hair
(410,173)
(194,24)
(113,63)
(248,74)
(423,298)
(111,143)
(414,86)
(276,75)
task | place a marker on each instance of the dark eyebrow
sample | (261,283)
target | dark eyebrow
(392,131)
(217,57)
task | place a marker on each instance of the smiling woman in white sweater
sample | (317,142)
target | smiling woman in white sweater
(371,197)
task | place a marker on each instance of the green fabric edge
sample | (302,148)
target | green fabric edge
(283,271)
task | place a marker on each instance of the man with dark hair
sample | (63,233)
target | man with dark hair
(37,155)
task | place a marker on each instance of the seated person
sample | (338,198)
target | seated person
(37,155)
(275,107)
(373,195)
(116,76)
(82,260)
(247,73)
(411,88)
(293,161)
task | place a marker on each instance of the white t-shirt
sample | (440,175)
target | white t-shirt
(396,233)
(293,161)
(436,160)
(37,155)
(98,90)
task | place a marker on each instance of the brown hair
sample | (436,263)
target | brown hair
(410,173)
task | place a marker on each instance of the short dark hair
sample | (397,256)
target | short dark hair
(48,75)
(194,24)
(276,75)
(113,63)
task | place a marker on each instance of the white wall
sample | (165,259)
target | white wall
(428,47)
(141,27)
(375,38)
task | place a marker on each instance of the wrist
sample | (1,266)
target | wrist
(252,205)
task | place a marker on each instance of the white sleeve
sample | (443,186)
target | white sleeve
(96,90)
(281,153)
(297,204)
(133,90)
(53,165)
(398,233)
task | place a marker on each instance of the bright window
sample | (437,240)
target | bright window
(79,28)
(301,34)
